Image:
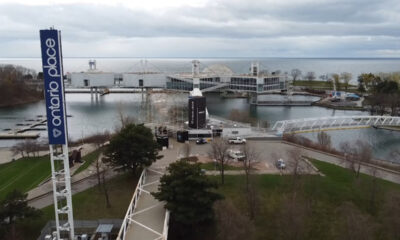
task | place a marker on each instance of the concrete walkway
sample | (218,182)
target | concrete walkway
(41,196)
(147,220)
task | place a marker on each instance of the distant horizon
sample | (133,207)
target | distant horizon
(144,58)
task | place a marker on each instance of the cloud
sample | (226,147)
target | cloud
(224,28)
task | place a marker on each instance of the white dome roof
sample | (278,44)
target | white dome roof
(219,69)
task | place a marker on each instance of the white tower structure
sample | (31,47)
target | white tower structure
(255,69)
(57,132)
(92,65)
(195,73)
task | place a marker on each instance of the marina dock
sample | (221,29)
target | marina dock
(25,131)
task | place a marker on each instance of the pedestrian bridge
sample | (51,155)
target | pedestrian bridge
(333,123)
(146,218)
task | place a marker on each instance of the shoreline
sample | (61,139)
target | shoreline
(19,103)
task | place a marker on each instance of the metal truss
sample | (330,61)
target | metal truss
(61,177)
(333,123)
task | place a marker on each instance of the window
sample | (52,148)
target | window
(140,82)
(86,82)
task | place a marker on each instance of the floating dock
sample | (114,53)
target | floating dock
(23,133)
(284,103)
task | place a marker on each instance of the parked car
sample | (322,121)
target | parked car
(201,141)
(236,140)
(280,164)
(236,154)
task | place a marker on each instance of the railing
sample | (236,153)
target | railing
(128,220)
(341,122)
(166,225)
(132,206)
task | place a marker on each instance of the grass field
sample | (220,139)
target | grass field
(211,166)
(321,209)
(89,159)
(23,174)
(89,205)
(27,173)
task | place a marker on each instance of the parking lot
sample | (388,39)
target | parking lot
(268,153)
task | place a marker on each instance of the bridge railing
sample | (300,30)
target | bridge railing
(132,206)
(334,122)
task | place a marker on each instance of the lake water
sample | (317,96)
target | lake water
(320,66)
(91,116)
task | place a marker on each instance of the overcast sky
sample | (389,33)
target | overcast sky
(204,28)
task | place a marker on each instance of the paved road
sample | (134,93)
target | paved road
(79,186)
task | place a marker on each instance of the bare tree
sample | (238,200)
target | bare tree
(310,76)
(232,224)
(292,218)
(390,215)
(18,148)
(219,152)
(186,149)
(346,77)
(102,167)
(123,118)
(294,156)
(354,223)
(295,73)
(251,156)
(357,155)
(324,140)
(336,80)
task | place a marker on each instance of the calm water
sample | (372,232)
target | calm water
(320,66)
(91,116)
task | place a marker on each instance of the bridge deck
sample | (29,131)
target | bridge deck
(333,123)
(146,217)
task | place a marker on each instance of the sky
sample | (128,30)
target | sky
(204,28)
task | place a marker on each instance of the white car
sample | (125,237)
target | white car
(236,154)
(236,140)
(280,164)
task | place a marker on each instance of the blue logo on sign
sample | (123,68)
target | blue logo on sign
(53,85)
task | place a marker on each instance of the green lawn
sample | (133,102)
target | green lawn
(23,174)
(89,205)
(320,210)
(89,159)
(28,172)
(211,166)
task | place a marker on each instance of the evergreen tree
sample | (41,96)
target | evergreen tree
(133,147)
(188,193)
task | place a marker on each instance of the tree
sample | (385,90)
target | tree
(346,77)
(250,158)
(354,224)
(324,140)
(232,224)
(295,73)
(367,81)
(219,152)
(336,80)
(310,76)
(357,155)
(292,218)
(13,209)
(188,193)
(390,215)
(105,165)
(132,148)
